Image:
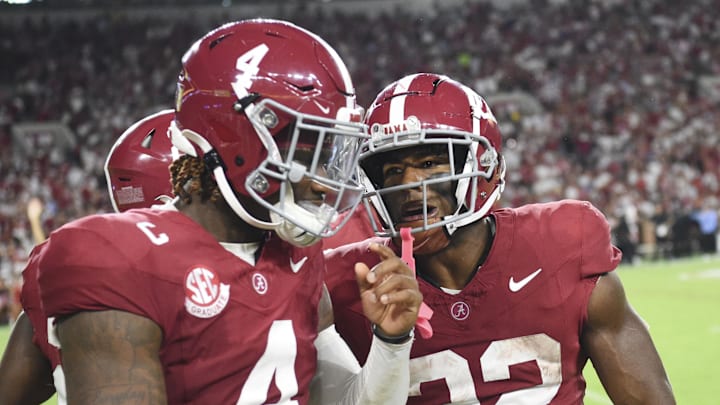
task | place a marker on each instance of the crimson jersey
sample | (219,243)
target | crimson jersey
(232,332)
(514,331)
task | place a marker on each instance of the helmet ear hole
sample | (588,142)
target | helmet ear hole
(460,156)
(147,141)
(239,161)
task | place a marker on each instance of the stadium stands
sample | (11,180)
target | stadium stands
(611,101)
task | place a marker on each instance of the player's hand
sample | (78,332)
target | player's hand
(390,295)
(34,208)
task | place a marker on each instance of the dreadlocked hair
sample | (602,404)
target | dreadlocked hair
(190,176)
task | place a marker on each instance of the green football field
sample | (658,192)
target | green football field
(680,300)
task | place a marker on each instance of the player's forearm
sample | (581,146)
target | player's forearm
(336,368)
(37,232)
(24,371)
(33,212)
(384,380)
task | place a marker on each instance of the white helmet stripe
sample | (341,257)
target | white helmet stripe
(476,105)
(397,104)
(464,185)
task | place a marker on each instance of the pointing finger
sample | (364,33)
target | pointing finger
(384,252)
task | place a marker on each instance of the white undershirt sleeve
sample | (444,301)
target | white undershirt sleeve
(339,379)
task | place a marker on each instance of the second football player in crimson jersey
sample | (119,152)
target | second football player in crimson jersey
(521,298)
(137,172)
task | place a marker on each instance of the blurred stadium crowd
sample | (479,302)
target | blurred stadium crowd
(611,101)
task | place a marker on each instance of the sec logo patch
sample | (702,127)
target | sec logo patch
(205,295)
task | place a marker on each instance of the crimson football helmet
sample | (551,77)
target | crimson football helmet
(268,104)
(431,109)
(137,167)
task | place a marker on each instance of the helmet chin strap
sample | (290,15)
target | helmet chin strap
(290,232)
(451,227)
(494,196)
(428,242)
(232,200)
(434,239)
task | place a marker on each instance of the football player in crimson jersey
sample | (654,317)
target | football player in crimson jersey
(521,297)
(137,172)
(219,297)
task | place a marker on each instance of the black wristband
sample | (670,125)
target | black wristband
(395,340)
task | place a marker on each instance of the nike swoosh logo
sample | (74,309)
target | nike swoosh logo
(322,108)
(296,266)
(516,286)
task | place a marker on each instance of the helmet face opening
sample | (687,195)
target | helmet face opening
(315,163)
(460,182)
(374,164)
(445,118)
